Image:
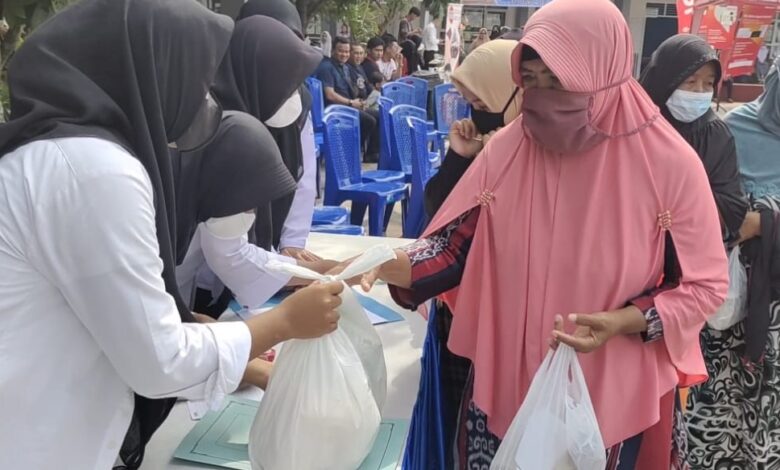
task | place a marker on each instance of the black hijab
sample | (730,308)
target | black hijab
(673,62)
(241,169)
(138,77)
(265,64)
(281,10)
(409,51)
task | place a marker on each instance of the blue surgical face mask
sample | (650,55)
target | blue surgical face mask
(688,106)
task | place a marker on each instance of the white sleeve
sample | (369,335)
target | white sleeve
(97,244)
(240,265)
(298,224)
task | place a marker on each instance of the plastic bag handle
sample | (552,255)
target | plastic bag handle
(372,258)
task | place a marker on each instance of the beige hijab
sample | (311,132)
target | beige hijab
(487,73)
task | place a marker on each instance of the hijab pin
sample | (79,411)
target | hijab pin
(485,198)
(665,220)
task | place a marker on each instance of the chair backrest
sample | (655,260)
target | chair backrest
(420,97)
(422,171)
(400,93)
(342,141)
(340,108)
(385,125)
(450,106)
(401,135)
(317,102)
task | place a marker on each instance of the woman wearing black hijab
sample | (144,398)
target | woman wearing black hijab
(681,79)
(264,67)
(218,190)
(87,290)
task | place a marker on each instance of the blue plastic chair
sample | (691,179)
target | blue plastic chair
(379,176)
(422,170)
(400,93)
(420,97)
(317,110)
(344,182)
(385,141)
(401,138)
(330,215)
(450,107)
(345,229)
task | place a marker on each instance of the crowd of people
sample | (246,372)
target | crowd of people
(152,169)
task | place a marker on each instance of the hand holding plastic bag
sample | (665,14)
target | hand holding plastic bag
(556,427)
(321,410)
(734,309)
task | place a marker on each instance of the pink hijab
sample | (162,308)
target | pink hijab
(581,234)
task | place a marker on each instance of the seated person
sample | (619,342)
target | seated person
(339,88)
(357,56)
(375,82)
(375,51)
(392,60)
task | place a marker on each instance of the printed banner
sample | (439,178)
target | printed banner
(718,24)
(452,36)
(752,29)
(684,16)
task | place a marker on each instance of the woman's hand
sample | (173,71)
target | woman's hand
(594,330)
(751,227)
(465,139)
(591,333)
(301,254)
(311,312)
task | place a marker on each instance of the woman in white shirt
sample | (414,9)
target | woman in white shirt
(217,192)
(89,306)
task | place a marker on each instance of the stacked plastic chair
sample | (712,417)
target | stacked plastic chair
(401,137)
(317,110)
(380,175)
(344,181)
(450,107)
(400,93)
(422,170)
(385,135)
(420,96)
(334,220)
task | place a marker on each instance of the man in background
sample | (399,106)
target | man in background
(357,56)
(405,28)
(430,40)
(339,88)
(375,51)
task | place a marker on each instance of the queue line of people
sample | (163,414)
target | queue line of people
(130,182)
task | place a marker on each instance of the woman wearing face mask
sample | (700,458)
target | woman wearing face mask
(485,81)
(300,159)
(731,417)
(260,75)
(681,79)
(556,232)
(91,310)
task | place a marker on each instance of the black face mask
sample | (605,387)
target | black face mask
(487,122)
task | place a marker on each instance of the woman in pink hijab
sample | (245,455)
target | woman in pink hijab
(556,234)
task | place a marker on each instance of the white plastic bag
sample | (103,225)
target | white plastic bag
(556,427)
(734,309)
(322,408)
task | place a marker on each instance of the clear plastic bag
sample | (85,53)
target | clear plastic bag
(322,408)
(734,309)
(556,427)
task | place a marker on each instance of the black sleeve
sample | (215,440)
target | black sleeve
(719,155)
(440,186)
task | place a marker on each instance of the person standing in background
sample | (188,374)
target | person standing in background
(482,38)
(430,40)
(405,28)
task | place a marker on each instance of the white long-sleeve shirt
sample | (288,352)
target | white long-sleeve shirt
(298,223)
(235,262)
(84,317)
(430,37)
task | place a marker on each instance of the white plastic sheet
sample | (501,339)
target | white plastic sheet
(734,309)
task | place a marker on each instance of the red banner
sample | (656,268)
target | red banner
(718,24)
(684,15)
(753,26)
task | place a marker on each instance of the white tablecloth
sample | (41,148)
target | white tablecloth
(402,342)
